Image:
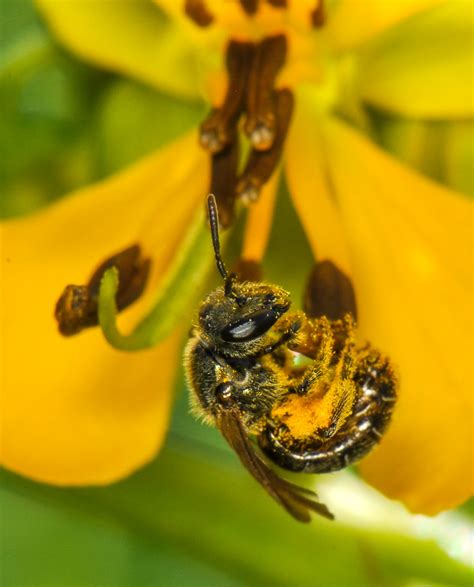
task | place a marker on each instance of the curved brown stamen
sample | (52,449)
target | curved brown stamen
(217,130)
(223,179)
(261,123)
(198,12)
(261,164)
(318,15)
(77,306)
(249,6)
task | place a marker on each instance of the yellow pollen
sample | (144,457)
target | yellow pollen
(304,415)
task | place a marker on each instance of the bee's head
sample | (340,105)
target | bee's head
(237,316)
(238,323)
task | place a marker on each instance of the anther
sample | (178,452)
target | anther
(278,3)
(318,15)
(260,125)
(223,180)
(249,6)
(261,164)
(198,12)
(248,270)
(217,130)
(329,292)
(76,308)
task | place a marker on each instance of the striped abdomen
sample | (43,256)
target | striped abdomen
(363,429)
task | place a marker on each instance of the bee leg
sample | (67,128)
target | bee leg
(337,397)
(313,338)
(288,334)
(308,380)
(321,365)
(321,331)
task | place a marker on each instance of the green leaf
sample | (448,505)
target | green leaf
(423,67)
(66,124)
(47,115)
(18,21)
(55,541)
(184,521)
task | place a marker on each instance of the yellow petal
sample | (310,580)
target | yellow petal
(423,68)
(460,155)
(410,242)
(131,37)
(259,221)
(74,410)
(307,181)
(353,22)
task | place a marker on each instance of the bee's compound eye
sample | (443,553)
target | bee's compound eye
(224,394)
(250,327)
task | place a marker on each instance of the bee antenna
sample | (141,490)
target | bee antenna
(214,222)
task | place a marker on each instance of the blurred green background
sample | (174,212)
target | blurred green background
(193,516)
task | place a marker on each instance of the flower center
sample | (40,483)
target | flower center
(205,12)
(254,108)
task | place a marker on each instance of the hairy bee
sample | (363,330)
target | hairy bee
(242,366)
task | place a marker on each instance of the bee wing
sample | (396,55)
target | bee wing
(297,501)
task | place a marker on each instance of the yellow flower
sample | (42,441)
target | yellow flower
(77,411)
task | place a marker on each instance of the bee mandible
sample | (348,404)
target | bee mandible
(243,366)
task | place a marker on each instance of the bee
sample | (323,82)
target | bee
(297,387)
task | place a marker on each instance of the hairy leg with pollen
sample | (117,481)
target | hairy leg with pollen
(322,395)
